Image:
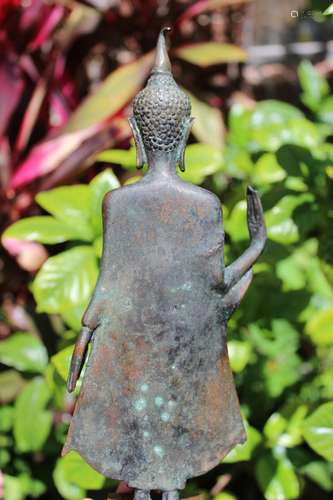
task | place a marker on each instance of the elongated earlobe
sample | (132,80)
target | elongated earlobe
(182,146)
(141,157)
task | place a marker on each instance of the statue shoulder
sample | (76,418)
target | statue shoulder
(205,196)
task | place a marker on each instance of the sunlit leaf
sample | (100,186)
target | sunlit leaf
(277,478)
(61,361)
(267,170)
(71,205)
(66,280)
(239,354)
(280,225)
(44,229)
(318,430)
(72,475)
(23,351)
(124,157)
(207,53)
(32,423)
(320,327)
(201,160)
(325,112)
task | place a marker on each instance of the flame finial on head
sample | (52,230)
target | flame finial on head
(162,62)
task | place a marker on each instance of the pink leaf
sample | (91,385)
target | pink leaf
(47,155)
(47,26)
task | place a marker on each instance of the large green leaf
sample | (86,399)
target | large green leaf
(208,126)
(72,475)
(208,53)
(71,205)
(112,95)
(24,351)
(32,423)
(100,185)
(314,86)
(320,327)
(318,430)
(44,229)
(66,280)
(201,160)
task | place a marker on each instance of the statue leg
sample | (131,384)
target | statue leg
(142,495)
(170,495)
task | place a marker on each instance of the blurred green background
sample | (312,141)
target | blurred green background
(260,81)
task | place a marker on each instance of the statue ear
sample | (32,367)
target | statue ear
(182,145)
(141,157)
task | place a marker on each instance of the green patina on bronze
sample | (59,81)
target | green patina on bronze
(158,403)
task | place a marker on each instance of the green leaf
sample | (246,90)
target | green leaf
(61,361)
(208,53)
(267,170)
(100,185)
(111,96)
(124,157)
(66,280)
(280,226)
(320,327)
(11,384)
(239,354)
(44,229)
(325,112)
(32,423)
(72,475)
(320,473)
(23,351)
(314,86)
(6,418)
(73,316)
(318,430)
(329,10)
(236,225)
(208,125)
(282,366)
(244,452)
(274,427)
(13,489)
(240,125)
(201,160)
(70,205)
(277,478)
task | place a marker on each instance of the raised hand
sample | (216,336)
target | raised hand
(257,230)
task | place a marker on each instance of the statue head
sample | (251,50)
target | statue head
(161,118)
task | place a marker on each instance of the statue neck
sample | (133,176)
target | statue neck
(161,165)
